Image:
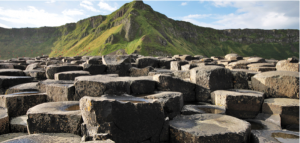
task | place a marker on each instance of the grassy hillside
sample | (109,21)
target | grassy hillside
(135,27)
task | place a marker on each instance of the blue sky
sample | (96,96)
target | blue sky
(217,14)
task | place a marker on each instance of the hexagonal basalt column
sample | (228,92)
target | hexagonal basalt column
(125,118)
(55,117)
(9,81)
(238,102)
(4,121)
(209,128)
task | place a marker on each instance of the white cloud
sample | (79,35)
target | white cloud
(253,14)
(34,16)
(105,6)
(50,1)
(184,3)
(72,12)
(4,26)
(88,5)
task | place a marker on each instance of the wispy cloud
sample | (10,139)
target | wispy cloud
(50,1)
(197,16)
(72,12)
(88,5)
(34,16)
(184,3)
(105,6)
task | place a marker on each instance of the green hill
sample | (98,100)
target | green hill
(136,27)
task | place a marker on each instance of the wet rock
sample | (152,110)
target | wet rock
(238,102)
(123,117)
(11,72)
(176,65)
(31,86)
(262,125)
(202,109)
(213,128)
(4,121)
(46,137)
(19,124)
(54,117)
(9,81)
(169,83)
(140,71)
(60,92)
(120,69)
(286,65)
(272,118)
(172,102)
(17,104)
(36,74)
(277,84)
(288,109)
(147,61)
(242,78)
(51,70)
(94,69)
(208,79)
(43,84)
(115,59)
(110,84)
(70,75)
(276,136)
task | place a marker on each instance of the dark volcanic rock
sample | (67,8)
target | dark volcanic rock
(94,69)
(60,92)
(43,84)
(11,72)
(19,124)
(70,75)
(45,138)
(51,70)
(4,121)
(147,61)
(9,81)
(25,87)
(202,109)
(133,71)
(276,136)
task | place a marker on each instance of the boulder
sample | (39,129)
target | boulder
(133,71)
(242,78)
(4,121)
(11,72)
(169,83)
(274,136)
(202,109)
(17,104)
(70,75)
(111,84)
(51,70)
(209,128)
(147,61)
(43,84)
(19,124)
(94,69)
(9,81)
(126,119)
(277,84)
(288,109)
(245,104)
(61,92)
(172,102)
(31,86)
(285,65)
(176,65)
(54,117)
(115,59)
(208,79)
(45,138)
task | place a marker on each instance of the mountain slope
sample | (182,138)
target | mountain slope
(136,27)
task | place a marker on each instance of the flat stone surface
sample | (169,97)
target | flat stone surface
(238,102)
(288,109)
(17,104)
(172,102)
(274,136)
(285,65)
(70,75)
(11,72)
(277,84)
(43,84)
(46,137)
(4,121)
(51,70)
(9,81)
(25,87)
(202,109)
(125,118)
(272,118)
(19,124)
(262,69)
(208,128)
(261,65)
(262,125)
(60,92)
(58,117)
(8,136)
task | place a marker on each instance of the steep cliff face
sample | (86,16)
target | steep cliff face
(136,27)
